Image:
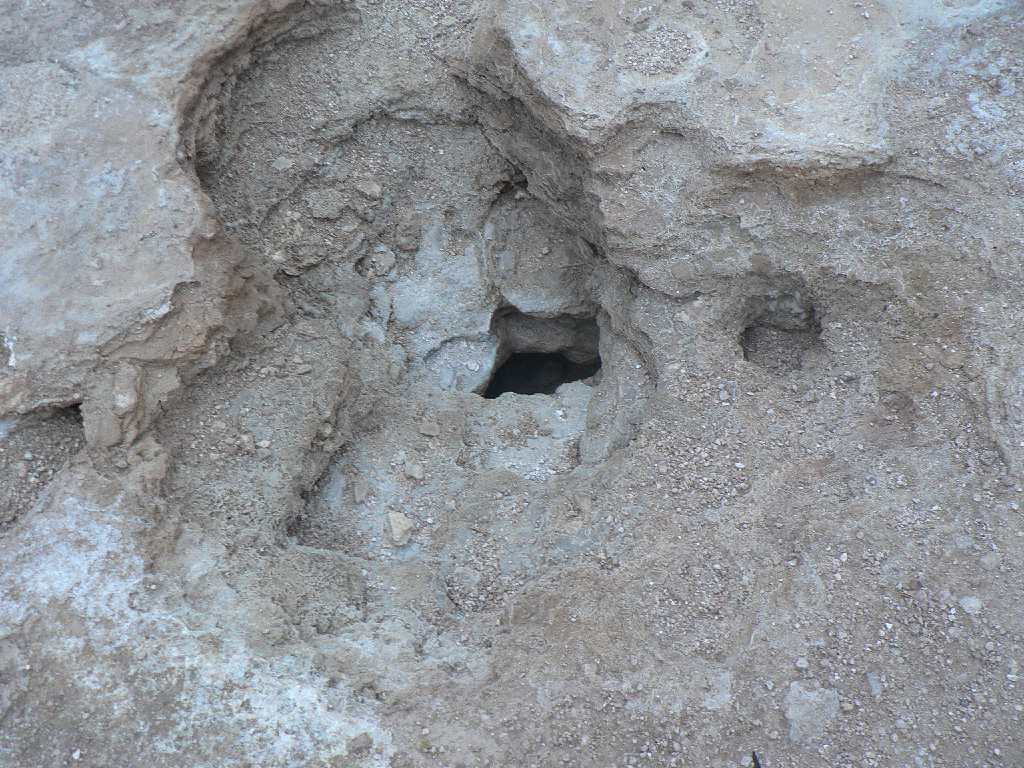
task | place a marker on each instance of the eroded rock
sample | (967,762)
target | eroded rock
(508,383)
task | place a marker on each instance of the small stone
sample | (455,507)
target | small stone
(382,261)
(583,503)
(990,561)
(360,746)
(970,604)
(407,231)
(76,755)
(302,370)
(263,444)
(846,706)
(430,428)
(324,204)
(360,490)
(682,271)
(414,470)
(802,663)
(399,529)
(369,187)
(218,425)
(809,710)
(874,684)
(281,164)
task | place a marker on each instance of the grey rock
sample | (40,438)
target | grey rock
(809,710)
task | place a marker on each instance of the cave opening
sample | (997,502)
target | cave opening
(538,373)
(540,354)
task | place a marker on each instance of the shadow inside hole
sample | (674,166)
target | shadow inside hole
(538,373)
(779,349)
(783,333)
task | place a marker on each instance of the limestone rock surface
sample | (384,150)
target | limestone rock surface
(511,383)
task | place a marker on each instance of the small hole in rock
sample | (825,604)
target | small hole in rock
(539,354)
(782,332)
(538,373)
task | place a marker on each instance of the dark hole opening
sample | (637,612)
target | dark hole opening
(778,349)
(783,333)
(538,373)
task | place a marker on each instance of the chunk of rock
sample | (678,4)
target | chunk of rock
(399,528)
(809,710)
(360,745)
(382,261)
(369,187)
(408,231)
(970,604)
(430,428)
(874,684)
(360,490)
(325,204)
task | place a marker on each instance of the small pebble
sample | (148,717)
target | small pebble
(970,604)
(430,428)
(360,490)
(399,528)
(369,188)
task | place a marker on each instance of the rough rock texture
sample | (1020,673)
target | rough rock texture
(280,281)
(115,276)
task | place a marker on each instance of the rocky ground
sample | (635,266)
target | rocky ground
(497,383)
